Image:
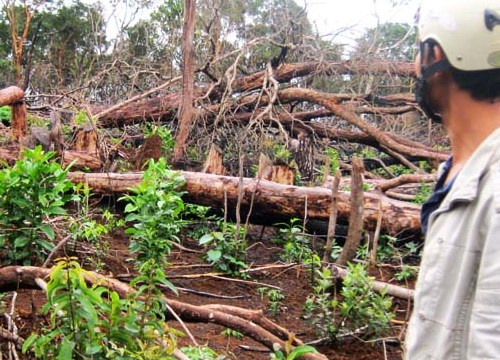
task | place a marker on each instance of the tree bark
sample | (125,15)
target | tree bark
(186,113)
(356,214)
(19,121)
(272,202)
(11,95)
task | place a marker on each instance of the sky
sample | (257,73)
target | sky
(353,16)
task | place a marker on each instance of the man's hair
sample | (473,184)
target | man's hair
(481,85)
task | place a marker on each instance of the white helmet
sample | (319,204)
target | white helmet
(468,31)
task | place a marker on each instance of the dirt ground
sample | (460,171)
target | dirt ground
(205,289)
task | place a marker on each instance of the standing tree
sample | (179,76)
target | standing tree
(186,114)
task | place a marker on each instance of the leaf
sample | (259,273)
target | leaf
(66,350)
(48,231)
(28,342)
(205,239)
(56,210)
(21,241)
(214,255)
(301,350)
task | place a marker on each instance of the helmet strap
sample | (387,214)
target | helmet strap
(421,89)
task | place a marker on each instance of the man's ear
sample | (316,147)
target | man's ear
(438,53)
(431,53)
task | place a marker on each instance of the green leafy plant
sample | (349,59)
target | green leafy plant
(295,244)
(290,352)
(361,305)
(227,332)
(5,113)
(407,272)
(281,153)
(197,221)
(32,192)
(200,353)
(274,297)
(334,157)
(154,210)
(321,307)
(423,193)
(228,249)
(94,322)
(90,227)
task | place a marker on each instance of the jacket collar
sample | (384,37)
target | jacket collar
(466,185)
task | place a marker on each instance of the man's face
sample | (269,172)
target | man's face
(432,90)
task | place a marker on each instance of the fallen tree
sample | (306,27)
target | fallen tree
(267,200)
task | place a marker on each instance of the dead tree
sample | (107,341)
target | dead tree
(186,113)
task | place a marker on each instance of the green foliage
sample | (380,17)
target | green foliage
(5,113)
(407,272)
(154,209)
(94,322)
(227,332)
(320,306)
(168,140)
(295,244)
(228,249)
(334,157)
(423,193)
(31,193)
(200,353)
(89,227)
(281,153)
(274,297)
(293,354)
(197,220)
(361,305)
(81,118)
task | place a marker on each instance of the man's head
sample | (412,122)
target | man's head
(462,37)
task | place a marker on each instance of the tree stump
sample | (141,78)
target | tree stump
(13,96)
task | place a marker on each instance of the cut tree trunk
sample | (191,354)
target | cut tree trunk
(356,215)
(11,95)
(272,202)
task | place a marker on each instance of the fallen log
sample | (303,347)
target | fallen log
(256,325)
(167,105)
(272,202)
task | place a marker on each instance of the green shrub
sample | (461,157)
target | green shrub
(228,249)
(154,210)
(5,113)
(359,307)
(31,192)
(295,243)
(92,322)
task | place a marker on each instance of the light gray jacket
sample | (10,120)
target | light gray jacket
(457,301)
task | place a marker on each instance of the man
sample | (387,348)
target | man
(457,303)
